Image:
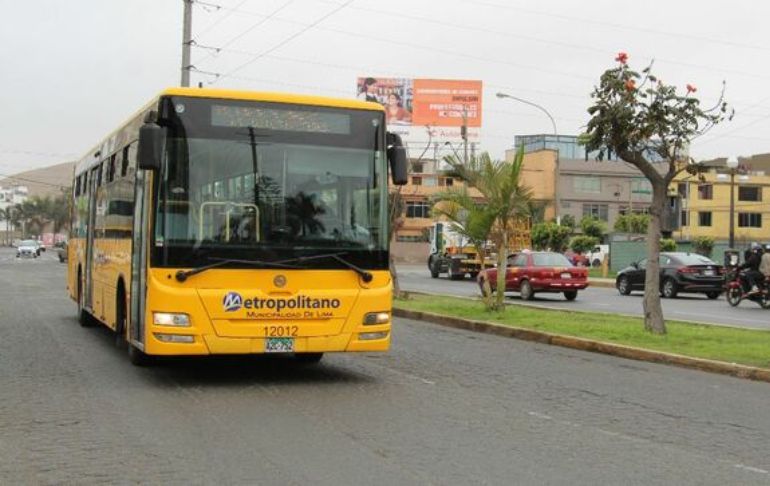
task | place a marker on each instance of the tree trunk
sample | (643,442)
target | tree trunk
(502,257)
(653,312)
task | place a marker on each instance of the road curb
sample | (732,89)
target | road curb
(601,284)
(619,350)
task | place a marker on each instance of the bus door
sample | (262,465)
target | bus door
(88,301)
(139,236)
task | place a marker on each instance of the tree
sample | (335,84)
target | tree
(632,223)
(506,199)
(647,124)
(471,219)
(593,226)
(550,236)
(568,220)
(583,244)
(703,245)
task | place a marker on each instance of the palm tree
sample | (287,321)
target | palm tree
(506,200)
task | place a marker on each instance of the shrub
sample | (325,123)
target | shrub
(583,244)
(667,244)
(703,245)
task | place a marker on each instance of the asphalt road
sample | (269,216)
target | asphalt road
(443,407)
(692,307)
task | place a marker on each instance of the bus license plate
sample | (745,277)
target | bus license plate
(279,345)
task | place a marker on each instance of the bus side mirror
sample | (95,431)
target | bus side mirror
(150,141)
(397,159)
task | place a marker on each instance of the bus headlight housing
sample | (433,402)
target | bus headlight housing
(170,319)
(374,318)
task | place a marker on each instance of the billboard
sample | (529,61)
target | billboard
(419,109)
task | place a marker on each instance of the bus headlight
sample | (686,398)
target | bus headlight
(169,319)
(373,318)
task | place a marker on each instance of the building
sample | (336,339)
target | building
(706,202)
(427,177)
(585,187)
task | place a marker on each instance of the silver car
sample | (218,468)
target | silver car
(28,249)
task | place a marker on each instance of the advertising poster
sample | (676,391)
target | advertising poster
(422,109)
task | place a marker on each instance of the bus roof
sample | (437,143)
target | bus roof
(88,161)
(231,94)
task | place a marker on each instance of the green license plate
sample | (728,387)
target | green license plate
(279,345)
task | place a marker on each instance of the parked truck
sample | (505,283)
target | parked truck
(454,254)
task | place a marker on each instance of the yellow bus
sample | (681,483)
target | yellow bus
(235,222)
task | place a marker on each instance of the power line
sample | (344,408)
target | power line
(421,19)
(33,181)
(622,27)
(288,39)
(219,20)
(571,75)
(568,45)
(251,28)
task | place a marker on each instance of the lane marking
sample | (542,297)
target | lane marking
(751,468)
(540,415)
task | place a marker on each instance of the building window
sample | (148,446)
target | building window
(591,184)
(641,186)
(445,181)
(416,181)
(749,193)
(684,218)
(417,209)
(704,218)
(749,220)
(596,210)
(683,189)
(706,191)
(417,167)
(429,181)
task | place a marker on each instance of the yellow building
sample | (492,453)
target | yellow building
(706,205)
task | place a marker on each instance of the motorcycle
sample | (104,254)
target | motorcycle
(737,288)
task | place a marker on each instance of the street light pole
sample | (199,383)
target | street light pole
(556,204)
(732,164)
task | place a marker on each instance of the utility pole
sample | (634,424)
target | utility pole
(186,42)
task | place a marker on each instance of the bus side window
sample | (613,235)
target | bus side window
(124,162)
(111,168)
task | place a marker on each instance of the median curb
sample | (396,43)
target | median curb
(603,283)
(622,351)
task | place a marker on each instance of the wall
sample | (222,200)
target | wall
(410,252)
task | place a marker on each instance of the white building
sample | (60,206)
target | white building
(10,196)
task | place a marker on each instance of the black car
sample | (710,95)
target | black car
(679,272)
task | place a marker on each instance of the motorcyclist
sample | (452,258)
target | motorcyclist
(751,267)
(764,265)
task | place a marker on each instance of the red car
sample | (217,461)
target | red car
(531,272)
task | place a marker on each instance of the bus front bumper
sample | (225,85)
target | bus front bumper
(372,339)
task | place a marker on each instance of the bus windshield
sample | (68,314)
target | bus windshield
(266,181)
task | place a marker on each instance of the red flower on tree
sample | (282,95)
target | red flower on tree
(691,89)
(630,85)
(622,57)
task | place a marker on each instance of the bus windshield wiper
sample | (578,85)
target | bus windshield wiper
(183,275)
(365,276)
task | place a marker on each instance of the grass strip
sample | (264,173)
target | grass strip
(743,346)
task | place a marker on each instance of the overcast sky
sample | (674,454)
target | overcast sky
(74,70)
